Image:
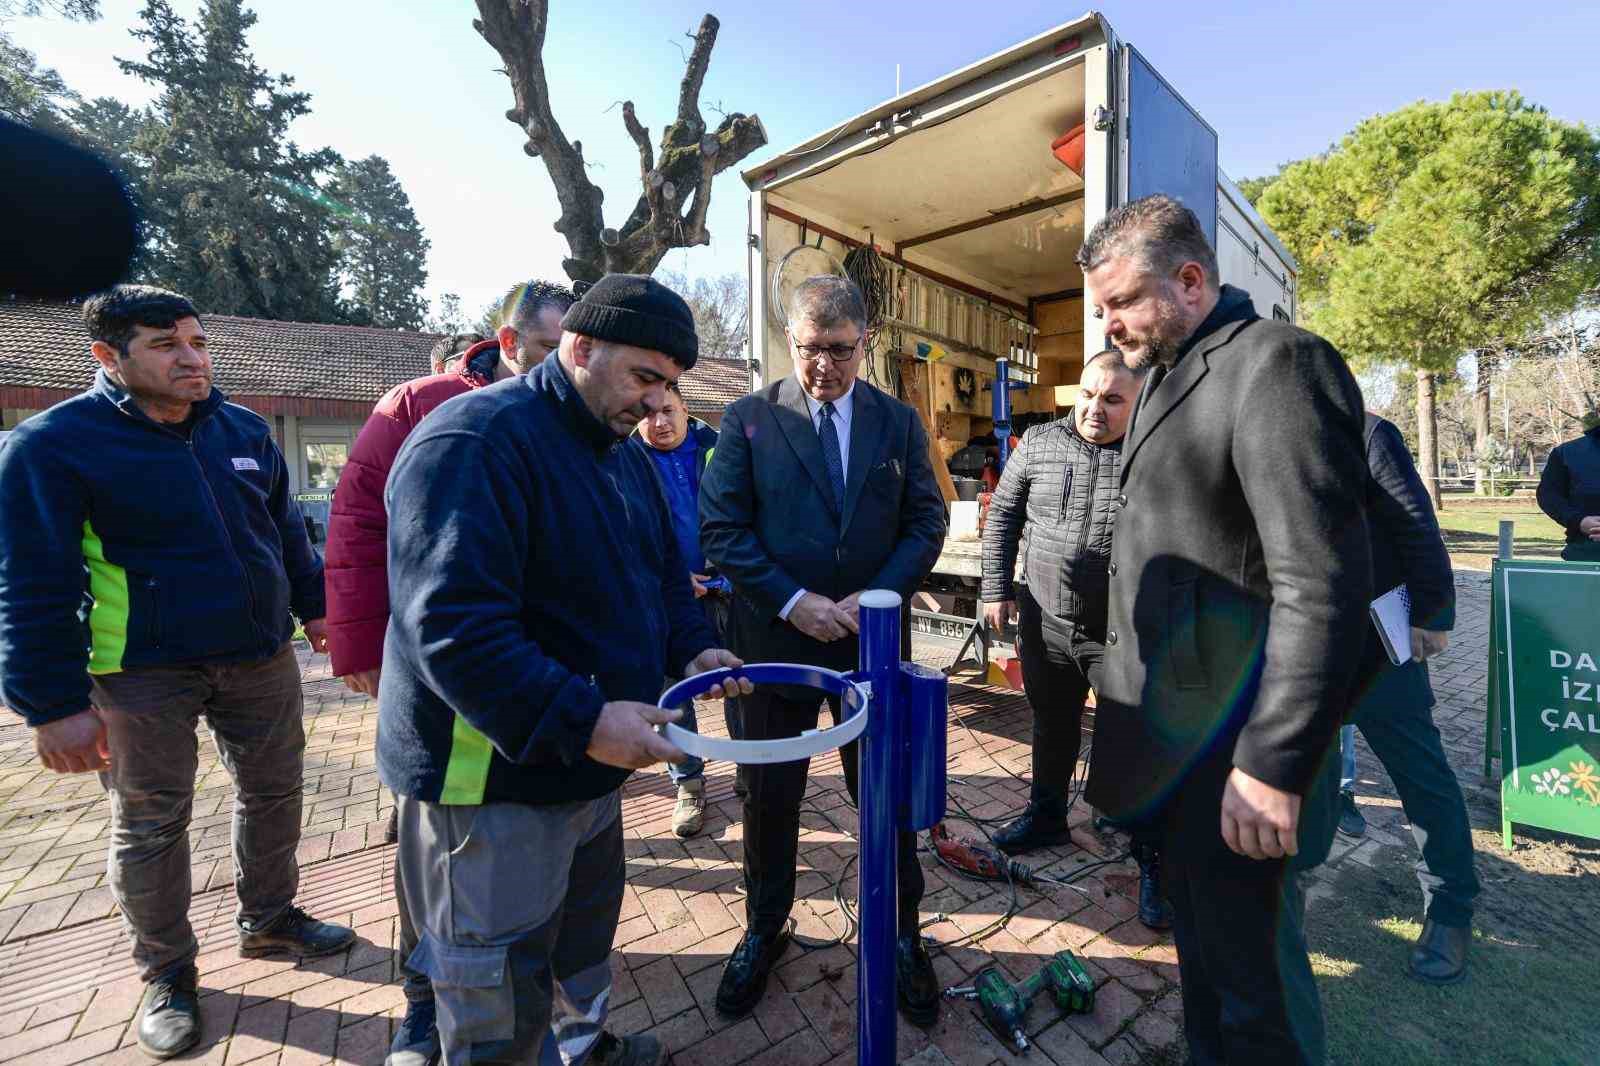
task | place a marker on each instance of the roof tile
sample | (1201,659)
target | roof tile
(45,346)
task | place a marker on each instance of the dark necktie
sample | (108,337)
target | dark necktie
(831,455)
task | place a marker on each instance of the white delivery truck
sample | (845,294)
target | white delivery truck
(964,202)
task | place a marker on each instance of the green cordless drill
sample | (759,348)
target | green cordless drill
(1003,1004)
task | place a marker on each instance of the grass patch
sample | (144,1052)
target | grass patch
(1472,534)
(1521,1004)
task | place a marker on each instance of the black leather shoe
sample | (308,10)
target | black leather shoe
(295,933)
(1352,823)
(744,978)
(916,988)
(1154,910)
(169,1014)
(1440,957)
(640,1049)
(1032,829)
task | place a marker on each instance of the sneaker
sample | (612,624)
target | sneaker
(640,1049)
(1351,822)
(169,1014)
(689,816)
(295,933)
(416,1041)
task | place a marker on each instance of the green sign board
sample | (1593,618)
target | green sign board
(1544,687)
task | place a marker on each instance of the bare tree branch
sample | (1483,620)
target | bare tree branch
(516,30)
(675,181)
(694,75)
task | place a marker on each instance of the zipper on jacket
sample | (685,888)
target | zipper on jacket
(1088,512)
(227,534)
(153,586)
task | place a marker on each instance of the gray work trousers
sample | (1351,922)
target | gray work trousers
(253,711)
(515,908)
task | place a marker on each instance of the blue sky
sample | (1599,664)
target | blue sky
(410,80)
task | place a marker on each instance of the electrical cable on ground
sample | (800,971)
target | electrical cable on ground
(1014,905)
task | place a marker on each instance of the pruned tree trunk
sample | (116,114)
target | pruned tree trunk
(1480,421)
(1428,438)
(675,187)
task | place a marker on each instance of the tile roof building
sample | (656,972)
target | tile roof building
(315,383)
(274,368)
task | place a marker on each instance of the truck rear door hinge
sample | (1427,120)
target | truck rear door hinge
(1103,119)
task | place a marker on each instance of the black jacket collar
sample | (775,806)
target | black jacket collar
(124,402)
(550,377)
(1233,305)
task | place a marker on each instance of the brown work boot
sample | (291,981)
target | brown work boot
(689,816)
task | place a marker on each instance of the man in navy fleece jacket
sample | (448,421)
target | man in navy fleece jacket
(150,560)
(537,599)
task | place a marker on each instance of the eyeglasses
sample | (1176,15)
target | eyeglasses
(836,353)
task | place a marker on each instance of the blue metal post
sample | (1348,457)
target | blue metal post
(877,897)
(924,710)
(1002,408)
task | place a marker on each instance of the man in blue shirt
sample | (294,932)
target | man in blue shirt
(679,447)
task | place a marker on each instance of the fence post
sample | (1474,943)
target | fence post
(1491,717)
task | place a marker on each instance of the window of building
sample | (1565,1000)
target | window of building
(324,460)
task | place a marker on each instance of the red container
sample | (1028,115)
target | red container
(1069,149)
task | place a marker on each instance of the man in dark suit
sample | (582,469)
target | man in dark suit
(820,489)
(1240,578)
(1394,708)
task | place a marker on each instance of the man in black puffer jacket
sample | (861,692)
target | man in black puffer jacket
(1056,500)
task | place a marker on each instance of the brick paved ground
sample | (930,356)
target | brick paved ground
(67,994)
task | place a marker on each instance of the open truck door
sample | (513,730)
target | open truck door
(1166,146)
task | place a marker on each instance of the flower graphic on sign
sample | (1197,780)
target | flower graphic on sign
(1552,783)
(1584,777)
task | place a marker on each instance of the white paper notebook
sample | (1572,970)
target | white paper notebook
(1391,615)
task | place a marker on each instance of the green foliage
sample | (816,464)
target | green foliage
(1254,187)
(33,95)
(110,127)
(76,10)
(1442,227)
(382,252)
(228,226)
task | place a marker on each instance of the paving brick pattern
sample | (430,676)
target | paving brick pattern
(68,994)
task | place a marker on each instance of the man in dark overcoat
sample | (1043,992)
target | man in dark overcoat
(1240,581)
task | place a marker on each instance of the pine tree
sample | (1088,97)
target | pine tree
(234,208)
(30,94)
(382,252)
(1441,228)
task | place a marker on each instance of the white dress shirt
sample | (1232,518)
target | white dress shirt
(843,412)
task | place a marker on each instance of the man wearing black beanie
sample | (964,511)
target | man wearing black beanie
(537,600)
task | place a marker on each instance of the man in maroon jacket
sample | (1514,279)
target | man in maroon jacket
(356,565)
